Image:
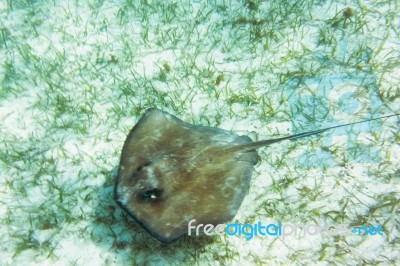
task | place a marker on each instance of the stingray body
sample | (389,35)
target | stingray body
(172,172)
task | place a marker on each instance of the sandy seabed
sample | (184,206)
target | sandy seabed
(77,75)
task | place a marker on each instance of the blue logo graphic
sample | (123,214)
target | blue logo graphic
(333,99)
(368,231)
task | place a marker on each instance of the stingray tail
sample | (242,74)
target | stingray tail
(258,144)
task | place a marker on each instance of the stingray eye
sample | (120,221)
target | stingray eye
(150,195)
(140,167)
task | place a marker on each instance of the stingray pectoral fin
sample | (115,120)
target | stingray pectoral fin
(235,187)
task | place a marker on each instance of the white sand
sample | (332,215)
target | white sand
(75,77)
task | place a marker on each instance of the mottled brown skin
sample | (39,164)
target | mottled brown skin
(172,172)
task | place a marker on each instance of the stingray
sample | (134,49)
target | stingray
(172,172)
